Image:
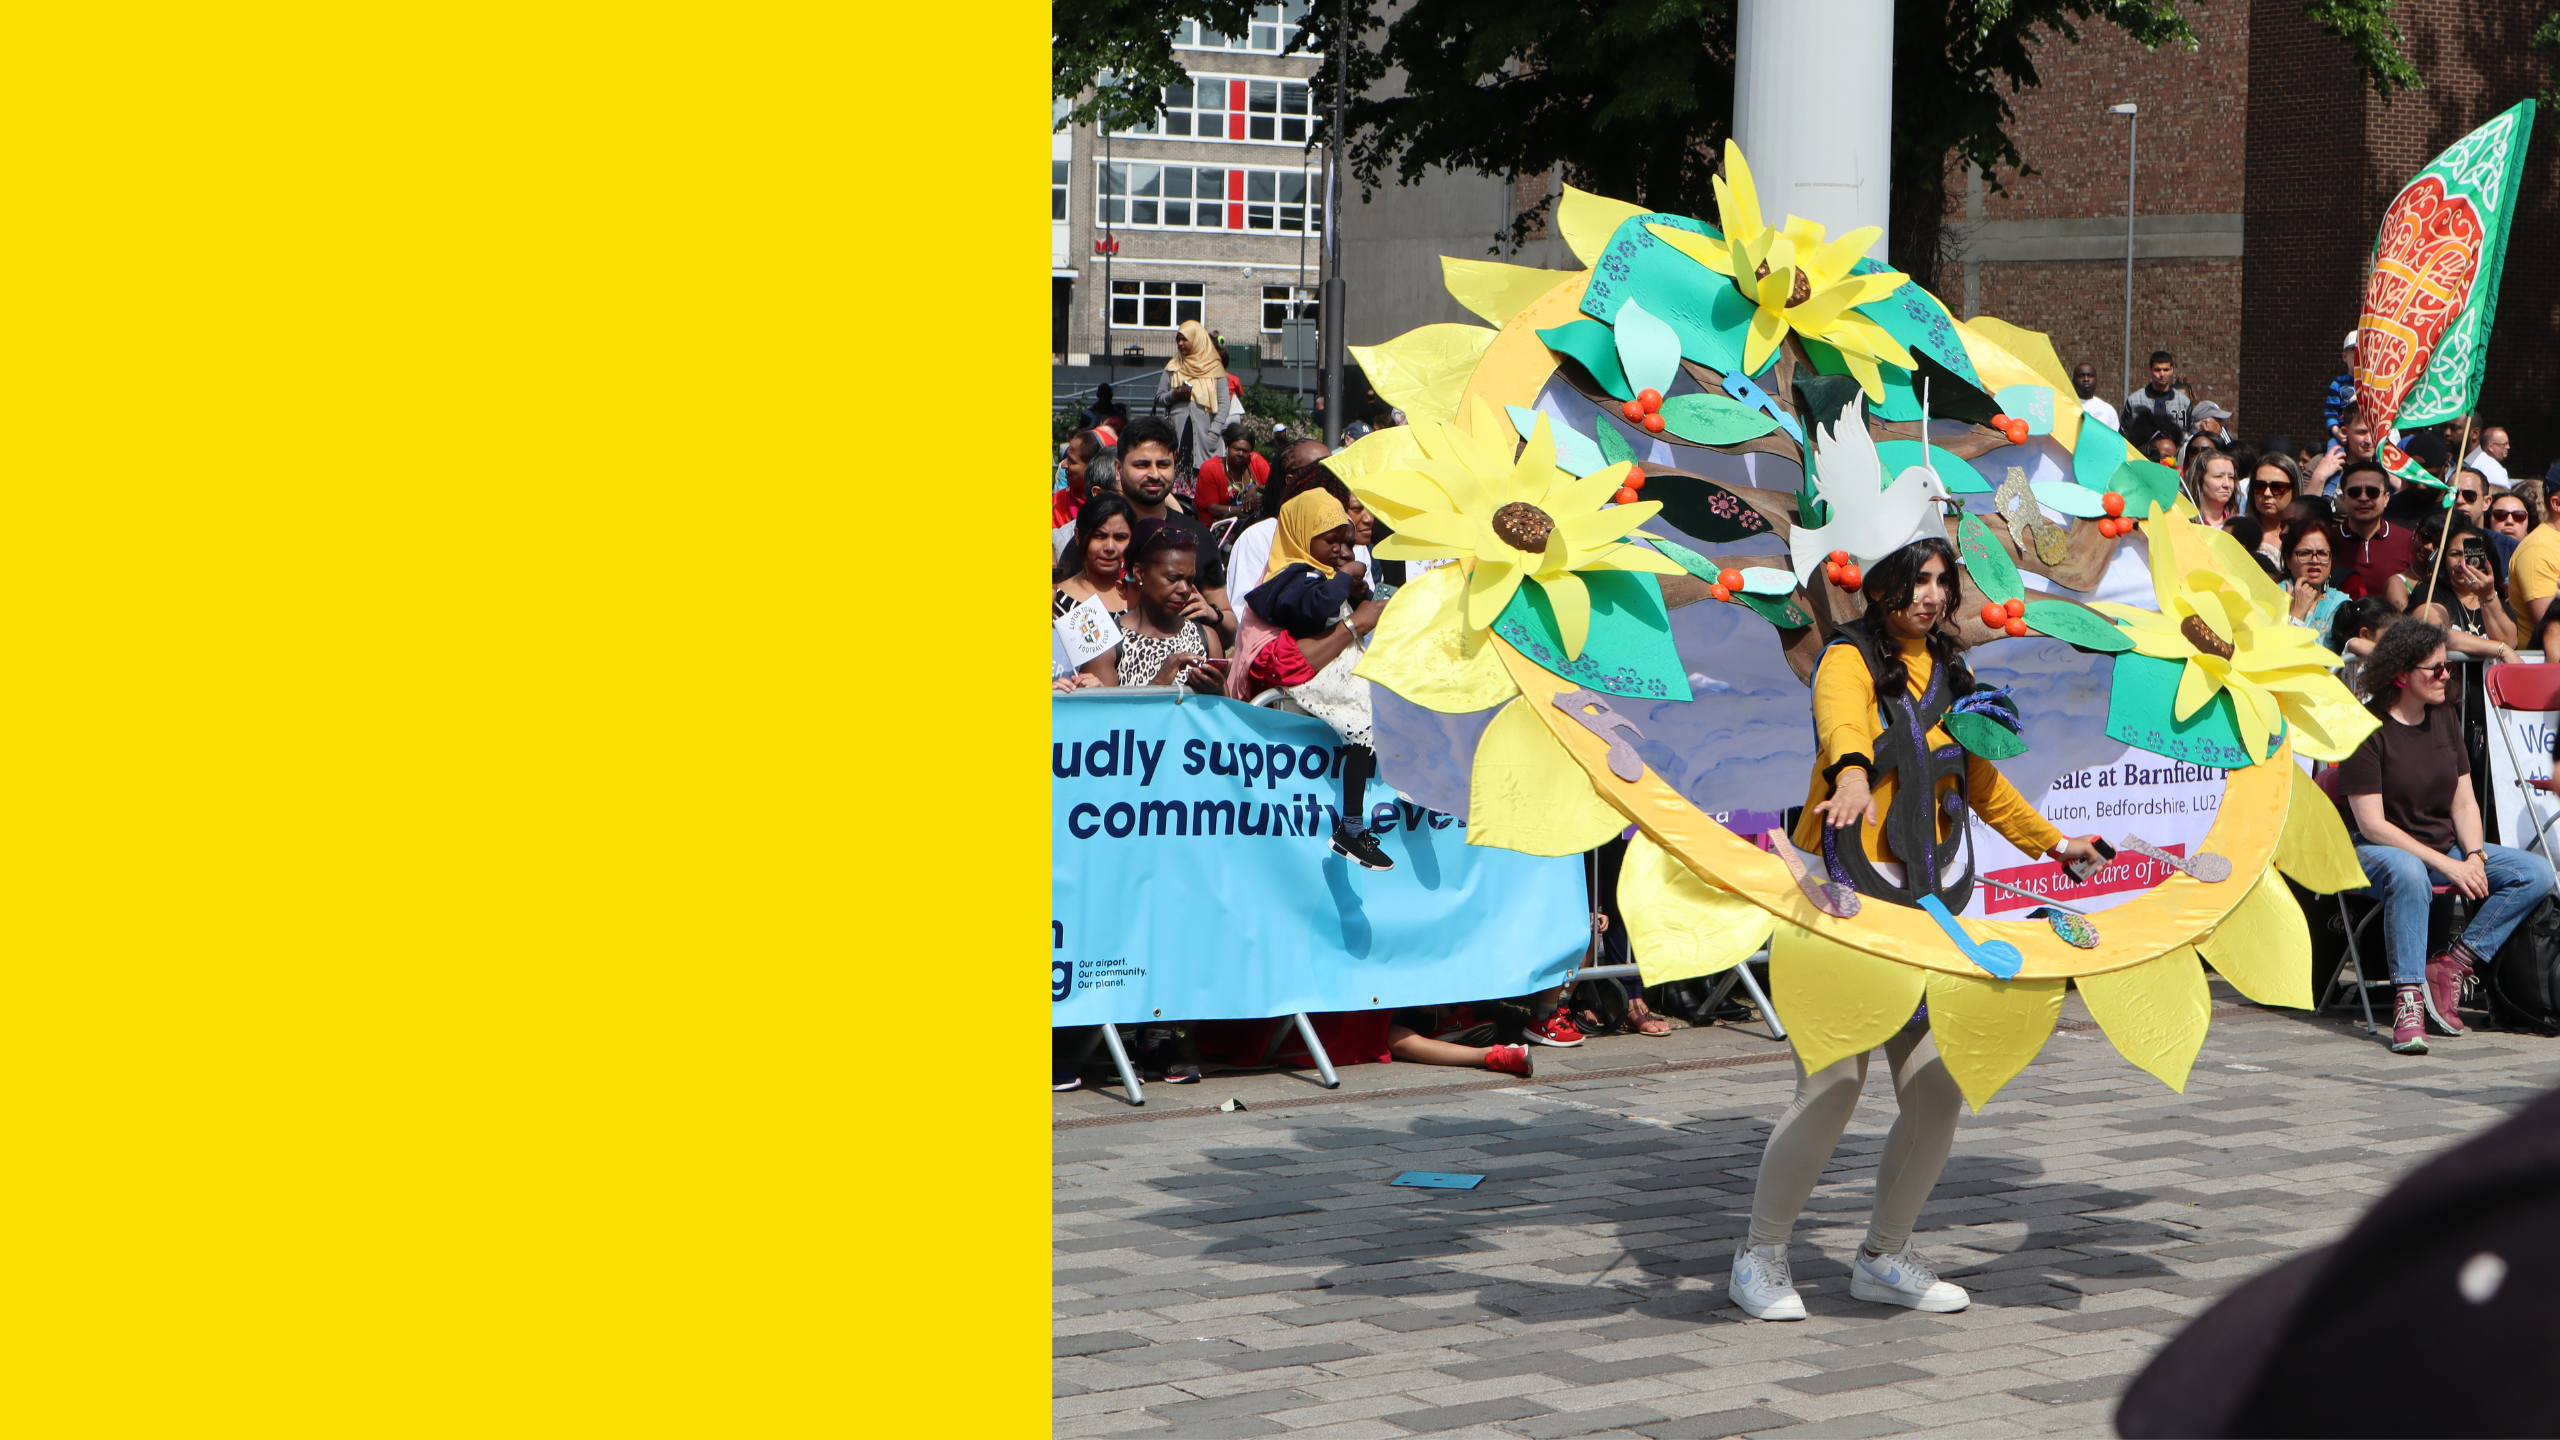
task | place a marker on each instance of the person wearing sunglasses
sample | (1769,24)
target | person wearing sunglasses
(2273,483)
(2406,796)
(2370,549)
(2533,573)
(2465,592)
(2310,555)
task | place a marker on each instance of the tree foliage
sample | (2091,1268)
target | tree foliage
(1634,98)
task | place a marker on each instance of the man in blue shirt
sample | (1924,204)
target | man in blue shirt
(2342,391)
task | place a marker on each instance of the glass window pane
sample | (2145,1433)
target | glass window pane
(1293,185)
(1213,124)
(1115,212)
(1177,212)
(1294,131)
(1257,217)
(1159,313)
(1185,310)
(1213,185)
(1293,99)
(1058,172)
(1292,216)
(1263,96)
(1178,96)
(1057,202)
(1124,287)
(1191,287)
(1142,179)
(1262,127)
(1266,37)
(1258,184)
(1178,122)
(1142,212)
(1177,182)
(1115,179)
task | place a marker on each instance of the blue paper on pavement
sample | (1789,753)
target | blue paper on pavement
(1435,1180)
(1192,877)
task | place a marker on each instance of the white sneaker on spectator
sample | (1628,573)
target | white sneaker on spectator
(1763,1285)
(1905,1280)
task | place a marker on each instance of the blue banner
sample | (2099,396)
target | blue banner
(1192,877)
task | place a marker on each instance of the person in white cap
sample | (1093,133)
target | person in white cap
(2342,391)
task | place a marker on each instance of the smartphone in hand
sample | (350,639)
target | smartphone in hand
(2082,871)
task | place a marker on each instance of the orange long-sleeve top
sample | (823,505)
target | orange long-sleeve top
(1846,721)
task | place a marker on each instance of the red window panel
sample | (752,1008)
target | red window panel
(1235,184)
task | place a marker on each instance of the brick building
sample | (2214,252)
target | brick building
(2264,165)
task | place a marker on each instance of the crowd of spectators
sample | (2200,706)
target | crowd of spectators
(1185,534)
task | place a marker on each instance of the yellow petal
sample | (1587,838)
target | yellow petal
(2155,1013)
(1535,472)
(1397,447)
(1715,254)
(1838,1002)
(1404,547)
(1682,926)
(2328,724)
(1571,602)
(1527,794)
(2196,688)
(2314,850)
(1494,290)
(1410,491)
(1574,499)
(1768,327)
(1588,221)
(1442,527)
(1870,379)
(1423,372)
(1421,650)
(1737,199)
(1597,528)
(1854,331)
(1988,1029)
(1489,589)
(1636,557)
(1831,259)
(2263,947)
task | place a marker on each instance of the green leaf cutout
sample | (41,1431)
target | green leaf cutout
(2147,486)
(1614,448)
(1779,610)
(1714,419)
(1704,509)
(1596,346)
(2073,625)
(1994,573)
(1629,650)
(1985,736)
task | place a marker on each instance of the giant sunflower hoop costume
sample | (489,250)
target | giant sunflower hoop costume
(1753,339)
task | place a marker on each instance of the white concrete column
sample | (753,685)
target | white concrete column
(1813,108)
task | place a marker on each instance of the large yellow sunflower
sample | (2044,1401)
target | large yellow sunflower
(2222,616)
(1799,279)
(1506,520)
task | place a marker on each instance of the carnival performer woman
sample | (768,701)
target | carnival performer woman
(1889,676)
(1198,400)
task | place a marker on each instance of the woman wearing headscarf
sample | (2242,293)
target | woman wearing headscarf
(1301,634)
(1195,395)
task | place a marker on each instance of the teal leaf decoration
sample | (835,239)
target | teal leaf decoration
(1614,448)
(1575,452)
(2097,455)
(2076,626)
(1704,509)
(2077,501)
(1711,316)
(2145,485)
(1688,559)
(1914,317)
(1779,610)
(1994,573)
(2031,403)
(1954,472)
(1648,349)
(1628,651)
(1703,419)
(1984,736)
(2141,711)
(1595,346)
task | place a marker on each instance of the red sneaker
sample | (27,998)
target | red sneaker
(1511,1060)
(1557,1029)
(2445,974)
(2409,1021)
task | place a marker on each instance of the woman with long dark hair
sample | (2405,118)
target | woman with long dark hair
(1886,812)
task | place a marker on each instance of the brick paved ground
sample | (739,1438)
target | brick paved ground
(1253,1274)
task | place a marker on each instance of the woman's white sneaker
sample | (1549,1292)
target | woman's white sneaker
(1905,1280)
(1762,1284)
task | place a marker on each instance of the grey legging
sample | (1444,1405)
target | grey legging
(1914,1152)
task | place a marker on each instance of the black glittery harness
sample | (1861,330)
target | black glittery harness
(1910,823)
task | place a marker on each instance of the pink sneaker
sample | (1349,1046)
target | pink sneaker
(2445,974)
(2409,1021)
(1515,1060)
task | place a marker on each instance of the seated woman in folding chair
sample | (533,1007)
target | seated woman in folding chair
(2407,794)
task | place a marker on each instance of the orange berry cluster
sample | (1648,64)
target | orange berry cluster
(1645,410)
(1634,487)
(2011,426)
(2115,523)
(2004,615)
(1728,584)
(1841,571)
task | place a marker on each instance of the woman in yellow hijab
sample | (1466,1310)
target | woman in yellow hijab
(1301,635)
(1195,396)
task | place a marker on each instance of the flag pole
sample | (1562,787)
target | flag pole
(2453,491)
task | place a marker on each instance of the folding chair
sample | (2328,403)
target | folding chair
(2354,926)
(2529,688)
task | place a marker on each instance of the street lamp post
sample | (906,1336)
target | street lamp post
(2132,143)
(1329,318)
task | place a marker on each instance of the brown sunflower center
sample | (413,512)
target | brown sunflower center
(1524,526)
(1802,292)
(2201,636)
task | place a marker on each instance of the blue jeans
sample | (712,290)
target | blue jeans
(2404,884)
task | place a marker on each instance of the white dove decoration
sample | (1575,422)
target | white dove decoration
(1869,518)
